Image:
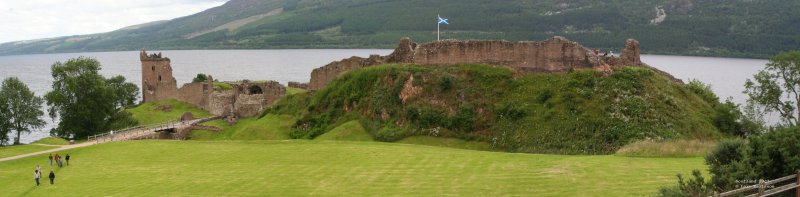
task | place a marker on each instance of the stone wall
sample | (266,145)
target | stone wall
(556,54)
(220,103)
(194,93)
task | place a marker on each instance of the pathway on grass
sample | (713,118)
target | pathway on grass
(129,134)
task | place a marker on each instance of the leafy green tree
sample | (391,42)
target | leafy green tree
(780,79)
(5,125)
(85,101)
(200,78)
(21,108)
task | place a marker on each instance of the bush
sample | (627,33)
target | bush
(390,134)
(692,187)
(728,162)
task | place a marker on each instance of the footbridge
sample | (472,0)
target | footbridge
(146,131)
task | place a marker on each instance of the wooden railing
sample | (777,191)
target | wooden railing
(136,131)
(763,185)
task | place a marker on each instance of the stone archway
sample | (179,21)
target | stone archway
(255,90)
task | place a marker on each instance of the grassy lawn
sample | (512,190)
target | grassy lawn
(292,91)
(446,142)
(269,127)
(163,111)
(336,168)
(9,151)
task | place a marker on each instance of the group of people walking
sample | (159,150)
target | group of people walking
(58,160)
(37,174)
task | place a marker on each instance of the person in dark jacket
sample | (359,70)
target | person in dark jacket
(67,157)
(52,177)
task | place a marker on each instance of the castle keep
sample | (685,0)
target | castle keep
(244,99)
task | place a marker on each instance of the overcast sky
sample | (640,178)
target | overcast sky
(34,19)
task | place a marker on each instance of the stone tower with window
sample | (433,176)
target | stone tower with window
(157,81)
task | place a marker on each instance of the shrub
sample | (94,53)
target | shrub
(200,78)
(693,187)
(390,134)
(728,162)
(703,90)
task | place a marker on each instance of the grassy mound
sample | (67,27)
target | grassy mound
(51,141)
(581,112)
(269,127)
(334,168)
(164,111)
(349,131)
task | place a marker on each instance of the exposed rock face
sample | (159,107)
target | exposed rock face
(556,54)
(243,100)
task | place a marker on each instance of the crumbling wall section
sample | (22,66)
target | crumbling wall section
(556,54)
(221,103)
(195,94)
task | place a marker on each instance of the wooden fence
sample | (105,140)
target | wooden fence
(763,185)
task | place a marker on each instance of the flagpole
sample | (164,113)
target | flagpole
(437,28)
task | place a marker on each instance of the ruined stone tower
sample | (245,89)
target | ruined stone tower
(157,80)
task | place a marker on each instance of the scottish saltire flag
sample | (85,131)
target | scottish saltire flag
(442,20)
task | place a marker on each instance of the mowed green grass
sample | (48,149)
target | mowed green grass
(9,151)
(150,113)
(336,168)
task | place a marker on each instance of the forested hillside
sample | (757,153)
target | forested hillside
(741,28)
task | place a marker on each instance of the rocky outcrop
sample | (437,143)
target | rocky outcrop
(556,54)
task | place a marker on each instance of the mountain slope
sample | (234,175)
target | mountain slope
(745,28)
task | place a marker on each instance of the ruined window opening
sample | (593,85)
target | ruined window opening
(153,68)
(159,78)
(255,90)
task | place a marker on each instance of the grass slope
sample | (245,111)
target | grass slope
(51,141)
(349,131)
(446,142)
(154,112)
(580,112)
(335,168)
(9,151)
(269,127)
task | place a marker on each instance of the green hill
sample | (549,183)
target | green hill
(695,27)
(333,168)
(579,112)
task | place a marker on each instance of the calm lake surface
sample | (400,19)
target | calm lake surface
(726,75)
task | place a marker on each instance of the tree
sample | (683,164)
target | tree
(21,108)
(780,79)
(200,78)
(86,102)
(5,124)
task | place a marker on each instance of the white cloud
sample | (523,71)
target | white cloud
(34,19)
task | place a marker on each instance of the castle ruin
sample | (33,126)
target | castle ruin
(243,99)
(556,54)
